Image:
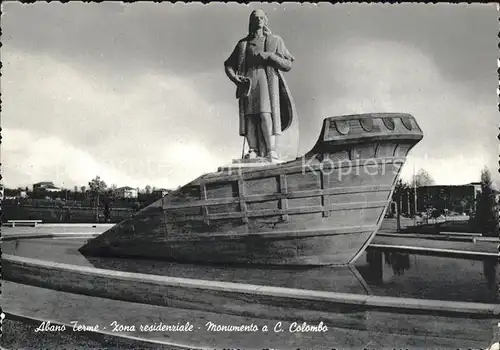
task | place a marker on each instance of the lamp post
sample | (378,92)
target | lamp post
(415,197)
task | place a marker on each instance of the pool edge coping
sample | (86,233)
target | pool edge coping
(365,301)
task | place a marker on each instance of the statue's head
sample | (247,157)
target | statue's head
(258,19)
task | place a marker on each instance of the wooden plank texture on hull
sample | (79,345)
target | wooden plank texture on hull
(293,213)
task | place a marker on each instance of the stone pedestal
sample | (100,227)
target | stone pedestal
(250,163)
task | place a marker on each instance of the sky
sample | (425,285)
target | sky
(137,94)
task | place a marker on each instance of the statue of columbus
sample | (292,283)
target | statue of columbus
(266,107)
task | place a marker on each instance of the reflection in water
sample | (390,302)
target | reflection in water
(490,272)
(375,258)
(430,277)
(379,272)
(344,279)
(375,272)
(399,262)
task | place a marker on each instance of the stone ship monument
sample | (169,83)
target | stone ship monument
(272,207)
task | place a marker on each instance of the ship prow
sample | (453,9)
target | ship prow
(323,208)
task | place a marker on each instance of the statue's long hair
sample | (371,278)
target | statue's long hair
(265,28)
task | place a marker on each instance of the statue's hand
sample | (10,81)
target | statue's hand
(240,79)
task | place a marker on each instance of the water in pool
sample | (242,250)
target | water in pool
(376,272)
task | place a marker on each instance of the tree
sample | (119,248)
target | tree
(148,189)
(487,210)
(112,192)
(96,187)
(83,189)
(422,178)
(400,189)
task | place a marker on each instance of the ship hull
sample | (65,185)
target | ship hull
(321,209)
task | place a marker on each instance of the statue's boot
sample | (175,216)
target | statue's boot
(273,155)
(251,154)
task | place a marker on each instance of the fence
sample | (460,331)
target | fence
(60,214)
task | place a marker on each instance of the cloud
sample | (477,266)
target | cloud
(384,76)
(166,130)
(30,158)
(135,91)
(456,170)
(67,125)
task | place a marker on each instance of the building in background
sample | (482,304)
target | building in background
(160,192)
(447,199)
(459,199)
(126,192)
(45,186)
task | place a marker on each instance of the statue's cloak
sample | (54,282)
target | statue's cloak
(282,106)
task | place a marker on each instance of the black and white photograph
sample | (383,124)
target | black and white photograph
(290,176)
